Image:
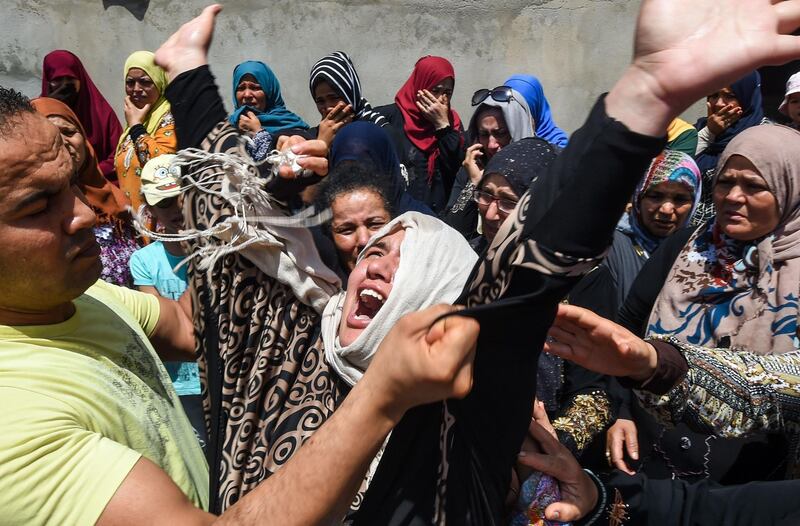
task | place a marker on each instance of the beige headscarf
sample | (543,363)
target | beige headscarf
(435,261)
(723,292)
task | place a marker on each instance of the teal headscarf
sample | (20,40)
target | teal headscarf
(275,116)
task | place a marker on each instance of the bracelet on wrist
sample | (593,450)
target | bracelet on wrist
(602,499)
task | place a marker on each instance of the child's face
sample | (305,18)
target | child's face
(169,214)
(793,108)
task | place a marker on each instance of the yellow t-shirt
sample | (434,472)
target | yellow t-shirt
(80,402)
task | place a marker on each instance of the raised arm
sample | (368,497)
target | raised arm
(417,363)
(546,245)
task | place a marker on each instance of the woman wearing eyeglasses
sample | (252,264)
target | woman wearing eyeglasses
(507,176)
(150,130)
(427,132)
(502,116)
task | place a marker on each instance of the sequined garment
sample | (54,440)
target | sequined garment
(117,243)
(587,415)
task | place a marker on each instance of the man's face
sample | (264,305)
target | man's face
(49,255)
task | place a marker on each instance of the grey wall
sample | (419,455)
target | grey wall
(576,47)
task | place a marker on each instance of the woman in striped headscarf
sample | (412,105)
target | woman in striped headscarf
(336,90)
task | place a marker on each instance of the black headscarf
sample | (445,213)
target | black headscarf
(521,162)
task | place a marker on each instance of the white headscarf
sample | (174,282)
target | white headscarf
(435,263)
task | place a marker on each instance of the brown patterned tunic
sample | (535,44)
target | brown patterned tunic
(267,386)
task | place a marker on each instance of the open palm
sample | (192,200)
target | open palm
(598,344)
(690,48)
(187,48)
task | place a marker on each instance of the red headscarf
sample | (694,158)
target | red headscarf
(428,72)
(96,115)
(108,201)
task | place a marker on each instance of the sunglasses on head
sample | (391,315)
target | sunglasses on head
(500,94)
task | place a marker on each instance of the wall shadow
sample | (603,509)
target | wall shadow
(137,8)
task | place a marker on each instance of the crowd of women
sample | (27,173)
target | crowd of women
(295,281)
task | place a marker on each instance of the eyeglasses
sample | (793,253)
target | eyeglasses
(499,135)
(500,94)
(505,206)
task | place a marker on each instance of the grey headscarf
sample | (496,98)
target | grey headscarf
(516,113)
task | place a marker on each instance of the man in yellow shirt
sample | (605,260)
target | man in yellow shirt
(92,386)
(84,395)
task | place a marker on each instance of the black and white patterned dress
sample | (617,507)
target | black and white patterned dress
(267,386)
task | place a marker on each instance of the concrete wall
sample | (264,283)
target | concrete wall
(576,47)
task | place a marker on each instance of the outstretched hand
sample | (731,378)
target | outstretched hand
(187,48)
(716,42)
(581,336)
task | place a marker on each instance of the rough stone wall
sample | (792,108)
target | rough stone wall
(576,47)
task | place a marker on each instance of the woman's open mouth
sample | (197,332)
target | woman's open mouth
(367,305)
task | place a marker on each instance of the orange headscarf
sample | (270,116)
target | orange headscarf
(108,201)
